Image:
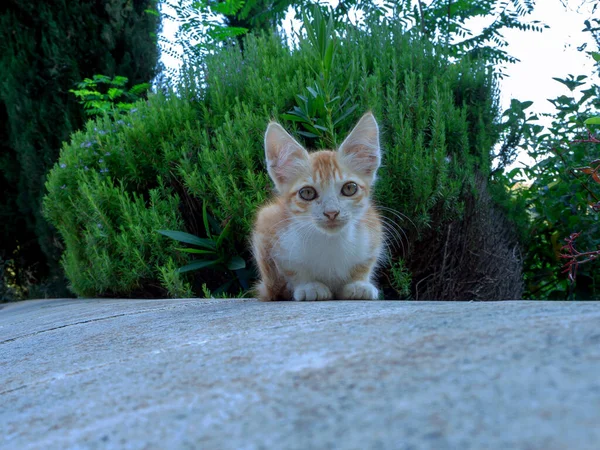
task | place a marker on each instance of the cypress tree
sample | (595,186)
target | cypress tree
(46,48)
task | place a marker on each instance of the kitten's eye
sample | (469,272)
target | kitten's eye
(308,193)
(349,189)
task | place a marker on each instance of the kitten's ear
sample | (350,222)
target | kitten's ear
(360,150)
(286,158)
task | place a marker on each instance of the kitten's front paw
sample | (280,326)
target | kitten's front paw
(360,290)
(310,292)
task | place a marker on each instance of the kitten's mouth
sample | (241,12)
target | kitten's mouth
(331,227)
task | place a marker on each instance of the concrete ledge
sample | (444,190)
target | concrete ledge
(220,374)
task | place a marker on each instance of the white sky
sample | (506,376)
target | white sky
(552,53)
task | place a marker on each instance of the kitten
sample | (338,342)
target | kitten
(321,237)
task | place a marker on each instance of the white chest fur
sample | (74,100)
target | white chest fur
(315,256)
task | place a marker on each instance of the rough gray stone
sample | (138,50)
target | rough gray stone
(239,374)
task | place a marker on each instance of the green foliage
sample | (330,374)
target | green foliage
(7,293)
(214,251)
(448,22)
(173,281)
(108,190)
(555,198)
(592,121)
(158,168)
(201,27)
(101,94)
(46,48)
(204,25)
(519,128)
(573,255)
(401,278)
(320,111)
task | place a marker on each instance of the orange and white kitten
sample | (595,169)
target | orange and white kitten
(321,237)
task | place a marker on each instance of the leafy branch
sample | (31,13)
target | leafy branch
(101,94)
(573,256)
(320,111)
(447,22)
(201,25)
(212,251)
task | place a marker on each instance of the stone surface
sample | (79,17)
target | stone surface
(240,374)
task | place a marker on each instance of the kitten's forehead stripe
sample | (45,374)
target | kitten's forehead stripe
(325,166)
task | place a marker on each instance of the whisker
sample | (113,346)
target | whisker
(389,237)
(393,227)
(400,216)
(397,213)
(293,221)
(392,236)
(392,231)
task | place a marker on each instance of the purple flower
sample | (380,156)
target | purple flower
(63,166)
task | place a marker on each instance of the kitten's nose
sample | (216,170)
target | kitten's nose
(331,215)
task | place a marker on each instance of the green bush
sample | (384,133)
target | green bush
(47,47)
(562,195)
(122,179)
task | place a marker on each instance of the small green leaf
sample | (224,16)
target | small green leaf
(214,225)
(307,134)
(570,83)
(120,81)
(198,265)
(592,121)
(346,114)
(236,263)
(293,118)
(224,234)
(139,89)
(205,220)
(527,104)
(196,251)
(124,106)
(312,91)
(188,238)
(226,8)
(329,54)
(596,56)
